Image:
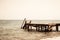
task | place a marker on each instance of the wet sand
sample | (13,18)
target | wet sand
(11,30)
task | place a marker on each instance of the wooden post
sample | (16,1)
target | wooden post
(28,28)
(36,28)
(45,29)
(39,28)
(56,27)
(48,28)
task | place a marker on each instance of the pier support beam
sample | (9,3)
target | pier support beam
(28,27)
(42,28)
(57,28)
(45,29)
(37,28)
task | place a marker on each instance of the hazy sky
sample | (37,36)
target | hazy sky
(30,9)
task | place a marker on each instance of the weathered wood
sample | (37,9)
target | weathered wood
(57,28)
(36,28)
(45,28)
(41,27)
(28,27)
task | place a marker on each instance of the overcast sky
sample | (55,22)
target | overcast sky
(30,9)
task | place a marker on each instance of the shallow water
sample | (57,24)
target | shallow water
(11,30)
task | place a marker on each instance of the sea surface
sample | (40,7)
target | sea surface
(11,30)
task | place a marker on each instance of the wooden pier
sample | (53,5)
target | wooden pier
(40,27)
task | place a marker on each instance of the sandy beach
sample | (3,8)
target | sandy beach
(11,30)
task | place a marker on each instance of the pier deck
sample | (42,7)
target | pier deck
(41,27)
